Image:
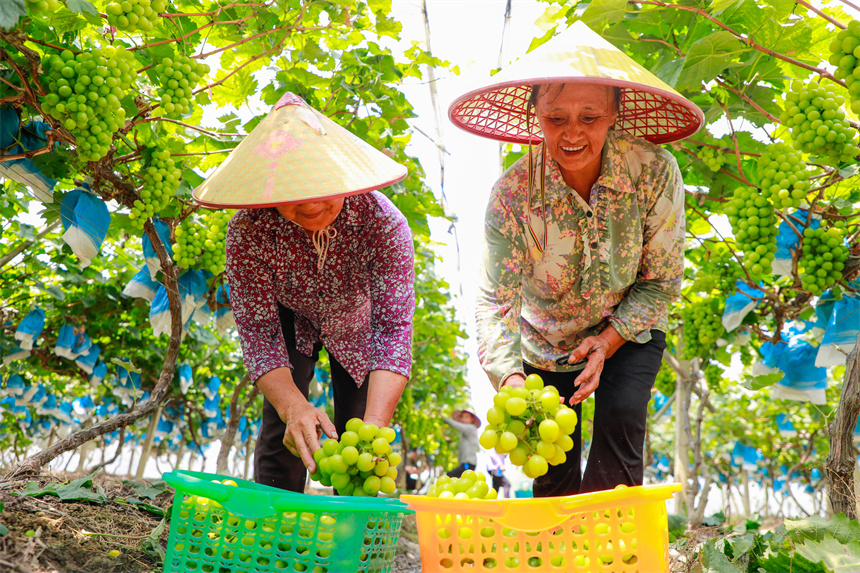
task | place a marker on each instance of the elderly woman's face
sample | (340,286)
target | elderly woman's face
(575,120)
(314,215)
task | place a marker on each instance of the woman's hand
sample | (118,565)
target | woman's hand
(596,349)
(305,424)
(515,380)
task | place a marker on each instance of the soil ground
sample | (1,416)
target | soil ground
(47,535)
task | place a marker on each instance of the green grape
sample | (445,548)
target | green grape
(844,54)
(135,15)
(818,123)
(783,177)
(754,223)
(84,92)
(702,326)
(713,158)
(43,6)
(471,483)
(361,463)
(160,181)
(822,259)
(531,425)
(177,79)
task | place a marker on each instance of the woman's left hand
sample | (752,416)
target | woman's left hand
(594,348)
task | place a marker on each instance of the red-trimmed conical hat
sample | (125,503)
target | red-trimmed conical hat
(648,108)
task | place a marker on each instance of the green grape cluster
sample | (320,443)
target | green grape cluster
(135,15)
(203,242)
(160,181)
(177,79)
(43,6)
(817,121)
(529,423)
(84,92)
(823,258)
(713,158)
(470,485)
(702,326)
(361,463)
(754,223)
(845,55)
(782,176)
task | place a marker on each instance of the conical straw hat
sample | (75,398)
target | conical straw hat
(648,108)
(296,154)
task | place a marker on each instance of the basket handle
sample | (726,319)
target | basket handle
(600,499)
(197,486)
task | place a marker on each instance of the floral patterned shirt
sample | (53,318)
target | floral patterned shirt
(617,259)
(360,305)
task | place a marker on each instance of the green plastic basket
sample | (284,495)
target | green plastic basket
(261,529)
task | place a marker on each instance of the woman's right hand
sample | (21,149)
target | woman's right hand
(305,424)
(515,380)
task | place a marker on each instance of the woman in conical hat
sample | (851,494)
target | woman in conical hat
(317,258)
(584,241)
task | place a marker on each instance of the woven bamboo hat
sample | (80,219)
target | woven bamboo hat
(648,108)
(296,154)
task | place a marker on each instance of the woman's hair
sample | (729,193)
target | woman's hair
(535,94)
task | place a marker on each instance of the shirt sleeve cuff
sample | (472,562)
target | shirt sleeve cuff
(402,367)
(256,371)
(627,333)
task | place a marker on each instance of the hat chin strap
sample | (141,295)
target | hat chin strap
(321,238)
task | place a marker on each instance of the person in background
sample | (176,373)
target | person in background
(496,468)
(583,241)
(466,423)
(318,258)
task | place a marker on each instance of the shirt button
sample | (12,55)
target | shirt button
(594,245)
(588,214)
(320,293)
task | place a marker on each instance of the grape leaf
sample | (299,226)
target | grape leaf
(789,561)
(81,6)
(817,528)
(710,56)
(715,561)
(10,12)
(765,380)
(81,489)
(836,557)
(604,12)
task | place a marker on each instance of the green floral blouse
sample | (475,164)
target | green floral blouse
(617,259)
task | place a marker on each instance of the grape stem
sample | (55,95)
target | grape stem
(194,127)
(747,99)
(811,8)
(734,138)
(46,44)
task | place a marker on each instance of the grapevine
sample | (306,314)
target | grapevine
(177,79)
(754,223)
(818,122)
(135,15)
(530,424)
(43,6)
(823,258)
(782,176)
(84,95)
(845,54)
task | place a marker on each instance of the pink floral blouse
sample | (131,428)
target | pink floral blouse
(360,305)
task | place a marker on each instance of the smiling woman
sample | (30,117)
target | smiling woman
(580,267)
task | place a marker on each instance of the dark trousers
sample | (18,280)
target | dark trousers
(274,465)
(620,415)
(458,471)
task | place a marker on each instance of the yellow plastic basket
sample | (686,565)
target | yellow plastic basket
(622,531)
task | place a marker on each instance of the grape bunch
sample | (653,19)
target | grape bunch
(177,79)
(817,121)
(754,224)
(43,6)
(530,424)
(782,176)
(702,326)
(713,158)
(135,15)
(823,258)
(845,55)
(160,181)
(84,92)
(203,242)
(361,463)
(470,485)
